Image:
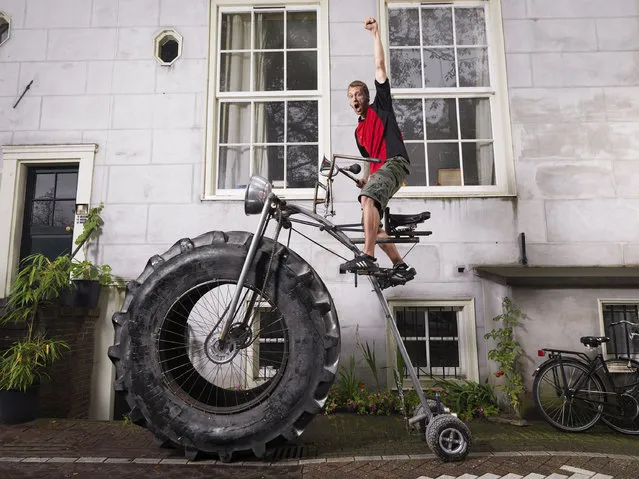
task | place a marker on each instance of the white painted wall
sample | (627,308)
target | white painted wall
(574,101)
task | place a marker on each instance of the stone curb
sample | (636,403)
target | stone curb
(300,462)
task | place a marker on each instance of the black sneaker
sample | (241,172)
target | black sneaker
(361,264)
(403,272)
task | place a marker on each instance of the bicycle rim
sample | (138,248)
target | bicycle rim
(623,413)
(577,411)
(208,375)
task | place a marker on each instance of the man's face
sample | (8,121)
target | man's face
(358,100)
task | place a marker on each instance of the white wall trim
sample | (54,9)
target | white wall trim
(16,160)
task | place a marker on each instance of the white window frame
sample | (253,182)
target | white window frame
(466,332)
(16,160)
(252,354)
(497,93)
(209,177)
(602,325)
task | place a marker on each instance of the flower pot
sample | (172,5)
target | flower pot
(85,294)
(17,407)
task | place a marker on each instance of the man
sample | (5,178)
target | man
(378,136)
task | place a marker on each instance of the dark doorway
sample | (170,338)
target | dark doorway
(49,211)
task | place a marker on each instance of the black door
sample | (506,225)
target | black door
(49,211)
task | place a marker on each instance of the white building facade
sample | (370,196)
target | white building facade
(521,118)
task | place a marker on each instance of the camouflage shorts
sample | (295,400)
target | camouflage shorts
(385,182)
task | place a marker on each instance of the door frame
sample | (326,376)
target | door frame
(16,160)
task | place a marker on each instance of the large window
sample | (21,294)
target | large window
(268,93)
(624,338)
(439,337)
(445,71)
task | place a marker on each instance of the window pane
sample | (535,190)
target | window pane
(270,358)
(42,213)
(271,325)
(417,353)
(302,30)
(439,67)
(442,323)
(44,186)
(235,71)
(301,166)
(443,164)
(301,71)
(64,213)
(302,122)
(269,122)
(470,26)
(67,186)
(406,68)
(479,163)
(441,119)
(410,322)
(417,156)
(269,71)
(410,118)
(474,117)
(233,171)
(473,67)
(269,163)
(403,27)
(444,354)
(269,31)
(236,31)
(235,122)
(437,25)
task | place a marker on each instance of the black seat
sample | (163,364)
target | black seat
(594,341)
(404,220)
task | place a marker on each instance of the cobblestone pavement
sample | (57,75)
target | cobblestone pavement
(340,446)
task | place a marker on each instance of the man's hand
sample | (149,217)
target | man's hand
(371,25)
(361,182)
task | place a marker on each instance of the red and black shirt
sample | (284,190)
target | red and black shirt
(378,134)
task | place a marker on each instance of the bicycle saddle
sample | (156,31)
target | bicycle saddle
(594,341)
(404,220)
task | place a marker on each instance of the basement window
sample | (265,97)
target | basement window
(168,47)
(5,27)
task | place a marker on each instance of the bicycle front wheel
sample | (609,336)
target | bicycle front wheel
(622,414)
(570,400)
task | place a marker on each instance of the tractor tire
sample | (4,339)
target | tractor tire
(208,396)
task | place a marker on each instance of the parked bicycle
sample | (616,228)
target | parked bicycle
(230,341)
(573,391)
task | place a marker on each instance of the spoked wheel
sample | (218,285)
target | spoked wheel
(448,437)
(265,380)
(573,405)
(622,412)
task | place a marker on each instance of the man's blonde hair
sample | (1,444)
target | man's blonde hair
(359,84)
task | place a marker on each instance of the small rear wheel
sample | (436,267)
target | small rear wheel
(573,404)
(448,437)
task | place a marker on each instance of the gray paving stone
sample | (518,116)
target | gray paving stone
(507,454)
(577,470)
(511,476)
(63,460)
(146,460)
(340,459)
(368,458)
(489,476)
(400,457)
(421,457)
(91,460)
(36,459)
(554,475)
(534,453)
(534,475)
(174,461)
(467,476)
(118,460)
(601,476)
(312,461)
(11,459)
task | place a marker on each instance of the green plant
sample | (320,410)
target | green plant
(468,399)
(88,271)
(92,227)
(507,353)
(40,281)
(368,354)
(347,382)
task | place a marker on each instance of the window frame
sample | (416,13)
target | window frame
(466,333)
(497,94)
(602,324)
(210,191)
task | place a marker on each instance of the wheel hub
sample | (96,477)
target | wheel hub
(452,441)
(218,351)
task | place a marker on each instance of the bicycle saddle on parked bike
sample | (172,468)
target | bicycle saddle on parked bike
(594,341)
(397,225)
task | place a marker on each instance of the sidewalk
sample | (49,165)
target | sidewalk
(337,436)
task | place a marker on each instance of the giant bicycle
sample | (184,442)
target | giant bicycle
(230,341)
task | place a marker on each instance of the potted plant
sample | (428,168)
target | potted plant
(25,362)
(87,278)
